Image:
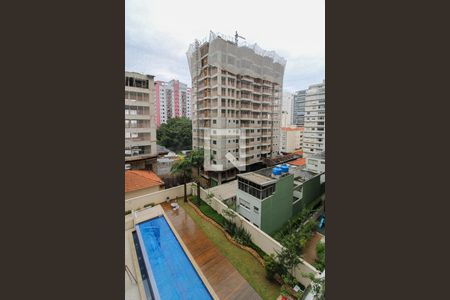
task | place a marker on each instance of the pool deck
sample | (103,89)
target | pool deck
(222,276)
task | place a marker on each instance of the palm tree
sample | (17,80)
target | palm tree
(184,168)
(197,158)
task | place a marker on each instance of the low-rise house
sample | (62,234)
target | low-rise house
(141,182)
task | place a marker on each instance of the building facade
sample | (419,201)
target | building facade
(298,108)
(291,139)
(173,100)
(140,125)
(314,133)
(236,96)
(286,109)
(269,201)
(316,163)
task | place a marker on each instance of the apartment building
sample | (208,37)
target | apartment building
(291,139)
(173,99)
(314,132)
(298,108)
(269,198)
(236,96)
(316,162)
(286,109)
(140,125)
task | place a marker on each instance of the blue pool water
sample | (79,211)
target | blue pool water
(170,268)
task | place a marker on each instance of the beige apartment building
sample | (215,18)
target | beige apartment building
(140,125)
(236,96)
(291,139)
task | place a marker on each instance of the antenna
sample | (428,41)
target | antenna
(236,36)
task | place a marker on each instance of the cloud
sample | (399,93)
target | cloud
(158,33)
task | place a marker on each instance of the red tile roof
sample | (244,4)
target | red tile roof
(292,128)
(297,162)
(141,179)
(299,152)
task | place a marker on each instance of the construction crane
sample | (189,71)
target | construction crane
(236,37)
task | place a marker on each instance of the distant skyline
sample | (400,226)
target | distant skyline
(158,34)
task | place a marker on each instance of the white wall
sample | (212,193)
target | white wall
(157,197)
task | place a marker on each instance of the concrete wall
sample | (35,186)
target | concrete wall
(156,197)
(260,238)
(142,192)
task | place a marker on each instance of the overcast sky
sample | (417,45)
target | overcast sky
(158,34)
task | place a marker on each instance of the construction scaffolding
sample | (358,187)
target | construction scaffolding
(236,97)
(245,59)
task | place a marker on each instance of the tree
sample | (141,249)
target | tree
(176,135)
(288,256)
(184,168)
(197,159)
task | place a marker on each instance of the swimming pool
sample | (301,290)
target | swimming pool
(171,273)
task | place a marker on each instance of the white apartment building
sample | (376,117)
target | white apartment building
(236,96)
(140,126)
(286,109)
(316,162)
(314,128)
(291,139)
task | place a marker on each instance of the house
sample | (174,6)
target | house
(141,182)
(268,198)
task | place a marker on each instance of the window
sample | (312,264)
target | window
(244,203)
(256,209)
(214,142)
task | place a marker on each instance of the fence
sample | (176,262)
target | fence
(157,197)
(259,237)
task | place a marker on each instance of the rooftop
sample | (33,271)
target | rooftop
(138,75)
(297,162)
(320,155)
(292,128)
(258,178)
(141,179)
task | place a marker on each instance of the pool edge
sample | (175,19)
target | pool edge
(183,246)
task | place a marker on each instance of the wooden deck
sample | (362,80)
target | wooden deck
(221,274)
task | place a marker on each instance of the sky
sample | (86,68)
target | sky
(158,34)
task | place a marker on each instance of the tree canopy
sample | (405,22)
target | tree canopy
(176,135)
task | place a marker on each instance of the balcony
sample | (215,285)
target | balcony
(137,117)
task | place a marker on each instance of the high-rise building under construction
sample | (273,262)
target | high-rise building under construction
(236,97)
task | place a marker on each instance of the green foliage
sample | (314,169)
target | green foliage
(197,158)
(317,286)
(272,266)
(291,225)
(183,167)
(127,212)
(211,213)
(147,205)
(320,261)
(196,200)
(242,236)
(176,135)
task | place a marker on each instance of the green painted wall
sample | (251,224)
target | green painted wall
(311,190)
(277,209)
